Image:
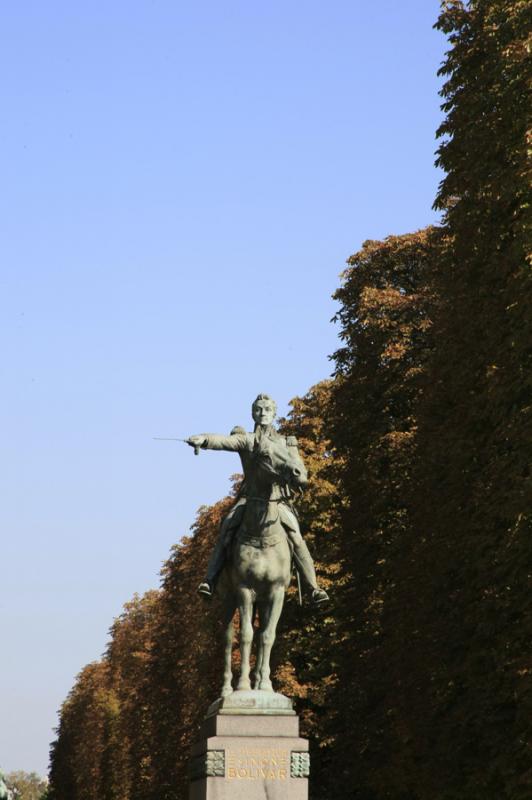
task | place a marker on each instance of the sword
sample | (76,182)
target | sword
(170,439)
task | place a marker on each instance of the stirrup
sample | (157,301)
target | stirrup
(319,596)
(205,589)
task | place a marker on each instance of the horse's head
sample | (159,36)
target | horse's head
(278,463)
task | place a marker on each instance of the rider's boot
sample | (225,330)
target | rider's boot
(216,563)
(305,566)
(219,554)
(206,589)
(319,596)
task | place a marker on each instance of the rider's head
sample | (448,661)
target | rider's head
(264,409)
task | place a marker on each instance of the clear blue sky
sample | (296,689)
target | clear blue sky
(181,185)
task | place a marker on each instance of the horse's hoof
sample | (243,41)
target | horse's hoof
(266,686)
(226,691)
(244,686)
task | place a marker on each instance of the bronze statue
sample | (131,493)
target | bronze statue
(251,564)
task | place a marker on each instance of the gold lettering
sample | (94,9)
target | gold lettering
(253,763)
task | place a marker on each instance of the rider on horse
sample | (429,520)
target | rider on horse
(252,448)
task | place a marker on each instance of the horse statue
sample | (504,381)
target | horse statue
(258,568)
(251,564)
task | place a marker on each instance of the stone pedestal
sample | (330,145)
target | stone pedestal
(250,749)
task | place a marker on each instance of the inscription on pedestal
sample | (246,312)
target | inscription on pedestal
(258,763)
(250,757)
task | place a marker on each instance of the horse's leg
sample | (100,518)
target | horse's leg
(258,666)
(246,636)
(228,614)
(267,636)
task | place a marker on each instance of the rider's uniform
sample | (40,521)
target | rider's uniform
(248,445)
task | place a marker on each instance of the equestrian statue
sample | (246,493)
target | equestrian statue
(259,541)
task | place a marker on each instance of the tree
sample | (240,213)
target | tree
(437,459)
(186,658)
(387,305)
(79,765)
(475,421)
(26,785)
(129,750)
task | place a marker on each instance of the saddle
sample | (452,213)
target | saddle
(261,542)
(270,524)
(239,535)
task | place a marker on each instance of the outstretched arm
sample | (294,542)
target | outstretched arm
(215,441)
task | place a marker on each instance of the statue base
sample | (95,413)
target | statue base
(249,748)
